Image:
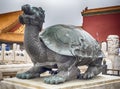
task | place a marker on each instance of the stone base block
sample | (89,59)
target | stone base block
(100,82)
(10,70)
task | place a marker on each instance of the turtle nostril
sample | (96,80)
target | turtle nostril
(22,8)
(25,8)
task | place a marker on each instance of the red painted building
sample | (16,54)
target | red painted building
(102,22)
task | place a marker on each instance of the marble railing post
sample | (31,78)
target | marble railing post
(113,51)
(2,51)
(14,49)
(108,63)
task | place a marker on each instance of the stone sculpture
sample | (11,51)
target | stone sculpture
(113,44)
(60,46)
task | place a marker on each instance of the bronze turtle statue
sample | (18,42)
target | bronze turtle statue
(64,47)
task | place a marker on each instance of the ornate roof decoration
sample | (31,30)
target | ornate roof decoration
(99,11)
(10,28)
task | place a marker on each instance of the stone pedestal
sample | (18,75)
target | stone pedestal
(100,82)
(12,69)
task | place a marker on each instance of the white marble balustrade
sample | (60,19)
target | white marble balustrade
(15,55)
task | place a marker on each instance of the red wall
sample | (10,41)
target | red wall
(100,26)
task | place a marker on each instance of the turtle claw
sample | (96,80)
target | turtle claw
(91,72)
(88,75)
(54,80)
(26,75)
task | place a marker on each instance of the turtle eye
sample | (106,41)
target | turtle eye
(79,44)
(72,46)
(21,19)
(25,8)
(82,40)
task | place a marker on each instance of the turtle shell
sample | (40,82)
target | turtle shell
(70,40)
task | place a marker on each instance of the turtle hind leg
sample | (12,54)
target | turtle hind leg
(33,72)
(94,69)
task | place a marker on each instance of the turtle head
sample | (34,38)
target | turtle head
(32,15)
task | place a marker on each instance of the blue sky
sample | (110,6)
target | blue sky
(58,11)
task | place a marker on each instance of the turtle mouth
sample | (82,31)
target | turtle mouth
(21,19)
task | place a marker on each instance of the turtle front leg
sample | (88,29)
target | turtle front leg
(33,72)
(94,69)
(66,73)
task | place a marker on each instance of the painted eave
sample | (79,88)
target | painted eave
(99,11)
